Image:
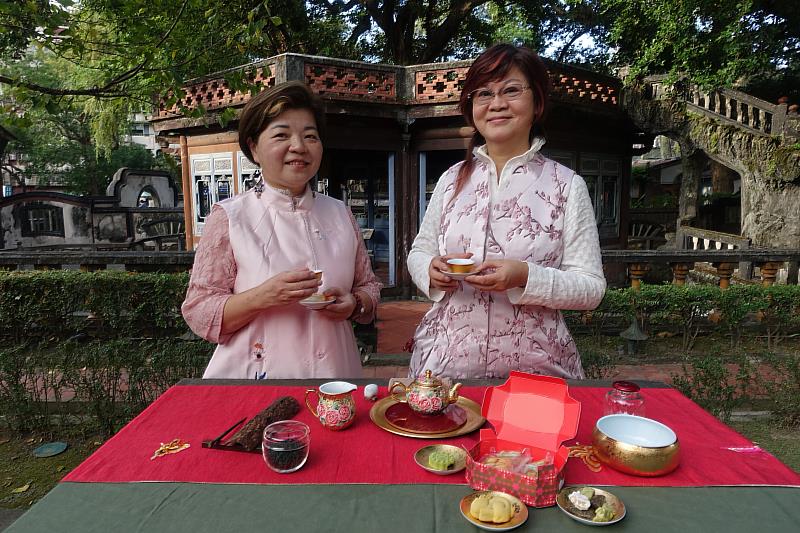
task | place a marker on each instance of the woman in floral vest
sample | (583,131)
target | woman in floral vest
(525,220)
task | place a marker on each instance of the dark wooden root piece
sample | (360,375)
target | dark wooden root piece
(249,436)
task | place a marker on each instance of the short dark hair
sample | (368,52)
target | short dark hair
(267,105)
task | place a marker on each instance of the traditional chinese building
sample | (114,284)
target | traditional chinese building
(391,132)
(141,210)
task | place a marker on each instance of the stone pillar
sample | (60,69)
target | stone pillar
(636,271)
(724,272)
(679,272)
(186,180)
(406,209)
(693,166)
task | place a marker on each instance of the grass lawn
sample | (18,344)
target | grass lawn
(782,443)
(33,477)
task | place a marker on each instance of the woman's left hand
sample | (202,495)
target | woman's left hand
(341,308)
(499,275)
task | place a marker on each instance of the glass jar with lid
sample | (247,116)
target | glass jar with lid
(624,398)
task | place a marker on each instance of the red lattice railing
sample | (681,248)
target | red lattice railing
(439,85)
(351,83)
(216,93)
(444,85)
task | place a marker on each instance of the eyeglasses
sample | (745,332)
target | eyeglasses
(484,95)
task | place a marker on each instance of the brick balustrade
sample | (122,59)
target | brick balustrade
(337,79)
(353,83)
(216,93)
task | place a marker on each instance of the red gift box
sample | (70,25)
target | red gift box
(527,412)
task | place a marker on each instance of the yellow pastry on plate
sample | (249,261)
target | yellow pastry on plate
(491,508)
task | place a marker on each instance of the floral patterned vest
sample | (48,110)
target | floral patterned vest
(473,334)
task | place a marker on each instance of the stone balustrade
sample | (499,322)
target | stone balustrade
(215,93)
(724,261)
(731,106)
(690,238)
(89,260)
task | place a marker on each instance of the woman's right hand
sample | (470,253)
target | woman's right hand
(285,288)
(438,269)
(289,287)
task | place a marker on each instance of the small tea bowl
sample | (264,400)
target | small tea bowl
(461,266)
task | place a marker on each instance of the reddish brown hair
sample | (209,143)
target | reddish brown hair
(267,105)
(493,64)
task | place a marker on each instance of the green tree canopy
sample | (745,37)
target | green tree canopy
(123,53)
(136,48)
(714,42)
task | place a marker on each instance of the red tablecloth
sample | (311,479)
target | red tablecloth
(713,454)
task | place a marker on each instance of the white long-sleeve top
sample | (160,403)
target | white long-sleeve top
(577,284)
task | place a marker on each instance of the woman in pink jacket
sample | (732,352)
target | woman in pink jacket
(256,261)
(527,222)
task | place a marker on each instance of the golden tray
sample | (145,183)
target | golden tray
(474,419)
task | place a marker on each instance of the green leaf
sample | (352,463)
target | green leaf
(226,116)
(22,489)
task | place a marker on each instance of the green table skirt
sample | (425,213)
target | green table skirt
(188,507)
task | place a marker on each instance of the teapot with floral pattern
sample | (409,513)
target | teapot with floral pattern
(427,395)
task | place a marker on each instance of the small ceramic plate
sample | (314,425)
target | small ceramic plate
(422,455)
(313,303)
(562,500)
(519,518)
(458,275)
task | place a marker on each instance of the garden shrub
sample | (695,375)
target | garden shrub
(596,364)
(114,340)
(709,382)
(57,305)
(783,388)
(109,381)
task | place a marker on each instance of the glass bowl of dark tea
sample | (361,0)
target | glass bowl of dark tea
(285,445)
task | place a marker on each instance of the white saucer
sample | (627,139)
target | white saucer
(316,304)
(458,275)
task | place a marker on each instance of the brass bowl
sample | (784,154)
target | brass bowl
(636,445)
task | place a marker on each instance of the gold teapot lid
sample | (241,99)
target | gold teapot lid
(429,381)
